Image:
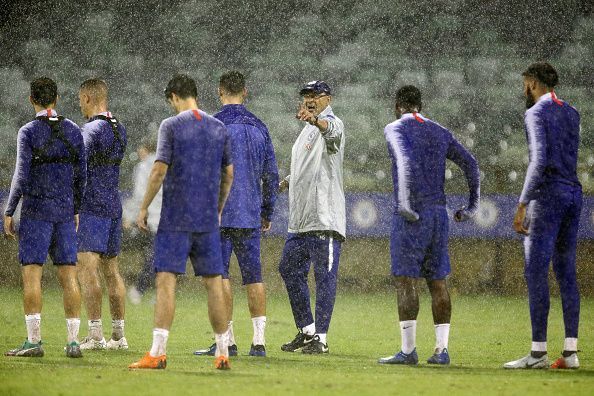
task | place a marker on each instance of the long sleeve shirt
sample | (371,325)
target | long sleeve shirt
(104,151)
(316,192)
(142,172)
(255,174)
(553,135)
(419,148)
(52,188)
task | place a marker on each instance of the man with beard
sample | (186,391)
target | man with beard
(552,197)
(317,221)
(419,148)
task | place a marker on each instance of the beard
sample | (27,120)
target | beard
(529,99)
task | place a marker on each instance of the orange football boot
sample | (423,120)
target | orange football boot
(149,362)
(222,363)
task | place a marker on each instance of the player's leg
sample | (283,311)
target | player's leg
(34,242)
(293,268)
(63,249)
(564,260)
(146,276)
(92,295)
(435,269)
(92,240)
(246,245)
(538,250)
(32,307)
(115,286)
(206,258)
(325,254)
(408,249)
(226,250)
(171,253)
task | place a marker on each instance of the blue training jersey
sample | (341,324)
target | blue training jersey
(196,146)
(553,134)
(105,150)
(50,172)
(255,182)
(419,148)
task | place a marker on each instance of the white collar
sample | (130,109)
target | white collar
(47,113)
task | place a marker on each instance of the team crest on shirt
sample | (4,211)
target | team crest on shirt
(310,138)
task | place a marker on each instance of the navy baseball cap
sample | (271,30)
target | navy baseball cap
(316,87)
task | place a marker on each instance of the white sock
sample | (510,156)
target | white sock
(117,329)
(309,329)
(442,334)
(259,324)
(231,335)
(222,341)
(72,326)
(539,346)
(408,334)
(159,347)
(322,337)
(570,344)
(33,323)
(96,329)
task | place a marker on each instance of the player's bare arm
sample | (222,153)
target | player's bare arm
(155,182)
(9,227)
(226,182)
(520,219)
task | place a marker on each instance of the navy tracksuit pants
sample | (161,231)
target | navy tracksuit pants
(554,221)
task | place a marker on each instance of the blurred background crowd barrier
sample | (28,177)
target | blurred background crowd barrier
(467,57)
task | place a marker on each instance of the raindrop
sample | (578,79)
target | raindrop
(585,176)
(469,142)
(493,159)
(513,175)
(591,160)
(380,174)
(482,175)
(362,159)
(471,127)
(133,156)
(507,130)
(503,145)
(526,160)
(448,174)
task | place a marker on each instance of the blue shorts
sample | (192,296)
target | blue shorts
(101,235)
(420,249)
(172,249)
(245,242)
(37,238)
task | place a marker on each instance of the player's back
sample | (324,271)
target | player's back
(419,148)
(560,124)
(192,143)
(251,149)
(49,190)
(105,150)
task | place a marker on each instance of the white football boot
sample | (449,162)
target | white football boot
(528,362)
(91,344)
(122,343)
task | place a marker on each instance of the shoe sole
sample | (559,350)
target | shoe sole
(26,354)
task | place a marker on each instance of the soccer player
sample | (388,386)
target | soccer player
(419,148)
(100,230)
(552,196)
(50,177)
(249,208)
(317,221)
(193,164)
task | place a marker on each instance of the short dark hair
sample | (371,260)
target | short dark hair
(232,82)
(95,87)
(44,91)
(183,86)
(543,72)
(409,96)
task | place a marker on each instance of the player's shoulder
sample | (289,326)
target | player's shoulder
(69,124)
(211,120)
(395,126)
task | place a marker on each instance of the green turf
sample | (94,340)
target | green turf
(486,332)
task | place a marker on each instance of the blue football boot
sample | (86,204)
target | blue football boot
(210,351)
(440,358)
(411,359)
(258,350)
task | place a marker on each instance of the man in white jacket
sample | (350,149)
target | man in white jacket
(317,221)
(143,240)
